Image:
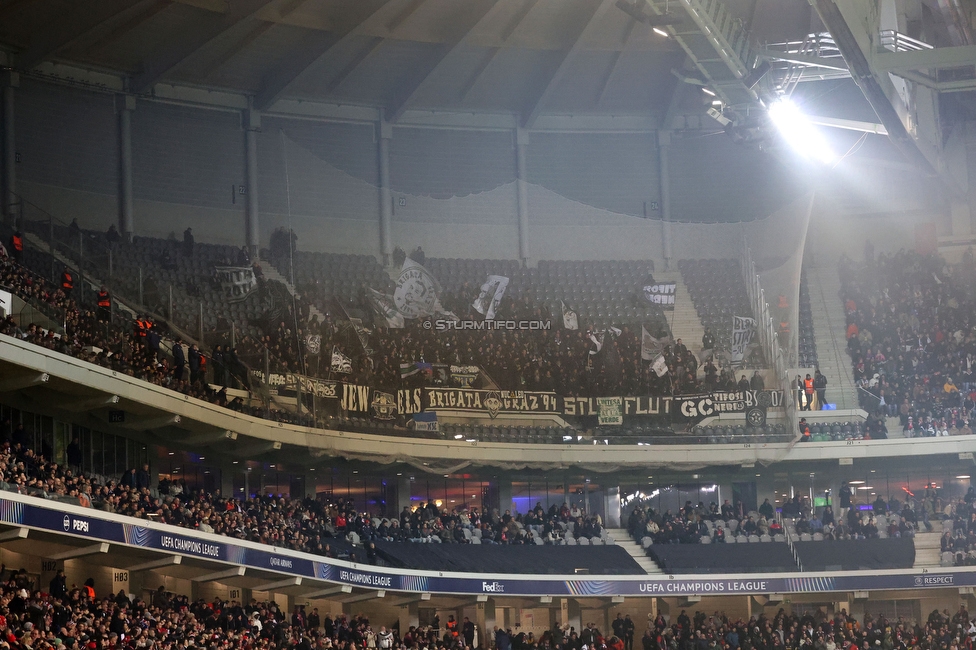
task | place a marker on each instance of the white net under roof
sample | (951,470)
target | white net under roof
(774,246)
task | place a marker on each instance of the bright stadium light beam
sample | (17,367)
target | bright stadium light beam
(799,132)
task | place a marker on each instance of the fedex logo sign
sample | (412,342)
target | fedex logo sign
(493,587)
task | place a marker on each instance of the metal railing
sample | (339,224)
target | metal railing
(897,42)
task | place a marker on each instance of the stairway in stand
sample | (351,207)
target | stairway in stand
(684,320)
(622,539)
(928,548)
(830,327)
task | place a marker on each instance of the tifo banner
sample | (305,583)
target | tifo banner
(743,329)
(490,296)
(611,412)
(661,294)
(491,402)
(236,282)
(287,384)
(708,404)
(381,405)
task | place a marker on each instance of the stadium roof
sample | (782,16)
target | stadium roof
(526,57)
(571,64)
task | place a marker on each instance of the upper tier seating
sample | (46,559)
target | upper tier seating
(603,293)
(566,560)
(718,292)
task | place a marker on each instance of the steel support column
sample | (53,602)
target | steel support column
(252,125)
(386,198)
(521,176)
(126,104)
(9,189)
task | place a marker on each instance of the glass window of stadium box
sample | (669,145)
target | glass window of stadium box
(188,471)
(669,496)
(895,483)
(451,491)
(102,453)
(527,494)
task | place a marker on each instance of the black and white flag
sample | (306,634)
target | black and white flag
(490,295)
(385,308)
(313,343)
(340,362)
(743,330)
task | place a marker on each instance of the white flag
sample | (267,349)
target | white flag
(416,291)
(570,319)
(660,366)
(490,295)
(340,362)
(650,346)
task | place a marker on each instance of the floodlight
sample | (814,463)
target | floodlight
(799,132)
(660,32)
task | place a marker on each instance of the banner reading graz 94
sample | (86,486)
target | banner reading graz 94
(491,402)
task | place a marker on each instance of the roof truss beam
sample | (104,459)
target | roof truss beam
(538,105)
(612,69)
(405,97)
(314,49)
(509,30)
(73,24)
(179,50)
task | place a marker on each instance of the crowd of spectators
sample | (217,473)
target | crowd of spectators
(798,518)
(569,362)
(814,630)
(692,523)
(73,617)
(911,337)
(329,528)
(126,347)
